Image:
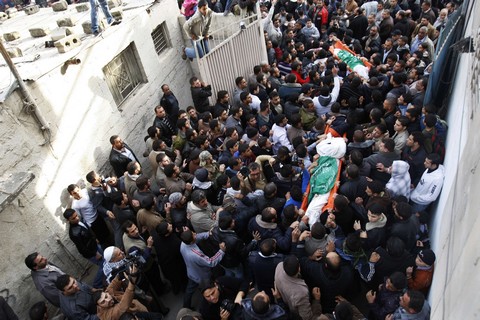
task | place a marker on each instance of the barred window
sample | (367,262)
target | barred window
(124,74)
(160,38)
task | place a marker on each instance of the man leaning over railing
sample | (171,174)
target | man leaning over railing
(197,28)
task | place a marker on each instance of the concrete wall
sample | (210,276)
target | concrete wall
(455,293)
(83,115)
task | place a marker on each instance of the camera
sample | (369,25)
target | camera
(244,171)
(227,305)
(133,259)
(105,180)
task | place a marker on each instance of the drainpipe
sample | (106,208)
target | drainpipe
(28,101)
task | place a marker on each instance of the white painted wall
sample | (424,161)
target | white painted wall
(455,290)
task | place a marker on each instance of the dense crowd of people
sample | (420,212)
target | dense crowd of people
(232,201)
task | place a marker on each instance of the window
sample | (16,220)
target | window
(123,74)
(160,38)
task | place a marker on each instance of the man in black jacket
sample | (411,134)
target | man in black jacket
(170,103)
(6,311)
(200,94)
(236,250)
(120,156)
(262,265)
(328,272)
(162,122)
(86,243)
(222,297)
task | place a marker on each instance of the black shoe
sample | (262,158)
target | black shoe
(184,54)
(96,33)
(115,22)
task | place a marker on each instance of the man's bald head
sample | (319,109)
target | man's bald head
(333,261)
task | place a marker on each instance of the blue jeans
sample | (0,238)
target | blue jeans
(42,3)
(228,6)
(416,207)
(94,13)
(189,291)
(202,48)
(4,2)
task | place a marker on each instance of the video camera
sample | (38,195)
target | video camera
(134,258)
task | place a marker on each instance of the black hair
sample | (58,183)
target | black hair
(147,202)
(169,170)
(62,281)
(187,236)
(398,280)
(222,180)
(296,193)
(291,265)
(395,247)
(141,182)
(267,247)
(404,210)
(417,299)
(225,220)
(434,158)
(30,260)
(90,177)
(68,213)
(260,305)
(37,311)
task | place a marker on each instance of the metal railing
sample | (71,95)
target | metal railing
(234,50)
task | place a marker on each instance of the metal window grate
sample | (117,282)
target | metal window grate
(123,74)
(160,38)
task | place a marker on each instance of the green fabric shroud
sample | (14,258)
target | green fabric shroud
(349,59)
(323,177)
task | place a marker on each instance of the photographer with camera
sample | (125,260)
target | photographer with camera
(222,297)
(112,303)
(142,245)
(116,263)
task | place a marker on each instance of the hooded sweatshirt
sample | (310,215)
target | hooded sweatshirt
(399,183)
(429,187)
(323,104)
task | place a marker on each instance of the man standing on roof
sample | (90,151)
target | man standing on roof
(197,28)
(94,15)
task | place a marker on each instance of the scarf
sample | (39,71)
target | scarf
(377,224)
(357,256)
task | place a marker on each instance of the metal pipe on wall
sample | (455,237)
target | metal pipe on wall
(28,99)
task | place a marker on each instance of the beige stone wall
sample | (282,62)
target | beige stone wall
(83,115)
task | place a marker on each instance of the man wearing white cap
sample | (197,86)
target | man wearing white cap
(114,258)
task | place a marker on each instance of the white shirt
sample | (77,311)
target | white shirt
(126,153)
(279,138)
(84,208)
